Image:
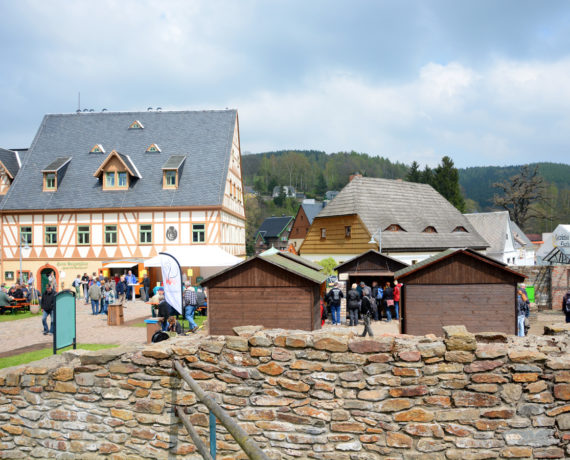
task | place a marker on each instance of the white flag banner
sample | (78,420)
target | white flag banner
(172,281)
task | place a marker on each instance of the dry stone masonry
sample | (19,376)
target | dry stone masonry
(322,395)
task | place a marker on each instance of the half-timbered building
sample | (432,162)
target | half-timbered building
(96,187)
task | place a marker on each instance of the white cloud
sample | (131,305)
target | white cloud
(451,109)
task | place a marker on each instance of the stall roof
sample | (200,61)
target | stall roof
(373,253)
(294,257)
(281,262)
(404,272)
(122,263)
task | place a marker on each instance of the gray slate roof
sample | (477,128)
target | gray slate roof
(382,202)
(9,159)
(57,164)
(519,237)
(174,162)
(273,226)
(312,210)
(204,137)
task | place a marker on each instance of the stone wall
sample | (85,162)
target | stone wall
(324,395)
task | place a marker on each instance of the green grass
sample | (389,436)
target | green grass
(7,316)
(24,358)
(199,320)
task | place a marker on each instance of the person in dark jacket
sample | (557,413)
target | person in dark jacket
(388,299)
(520,313)
(164,312)
(174,325)
(367,312)
(353,305)
(333,298)
(48,304)
(566,305)
(121,290)
(145,290)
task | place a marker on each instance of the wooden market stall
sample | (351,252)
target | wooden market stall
(273,291)
(459,287)
(369,266)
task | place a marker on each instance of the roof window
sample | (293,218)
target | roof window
(136,125)
(53,172)
(117,170)
(171,171)
(153,148)
(460,228)
(430,229)
(97,148)
(394,228)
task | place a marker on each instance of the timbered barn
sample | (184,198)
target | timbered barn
(112,186)
(274,291)
(408,221)
(456,287)
(368,267)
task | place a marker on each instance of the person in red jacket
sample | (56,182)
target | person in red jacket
(397,292)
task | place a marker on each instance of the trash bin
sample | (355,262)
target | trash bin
(152,325)
(115,315)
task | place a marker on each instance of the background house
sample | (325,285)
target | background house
(273,232)
(98,187)
(288,190)
(411,222)
(303,220)
(507,241)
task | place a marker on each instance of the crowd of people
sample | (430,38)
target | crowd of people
(368,303)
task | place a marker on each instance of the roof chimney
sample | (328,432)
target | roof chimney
(352,176)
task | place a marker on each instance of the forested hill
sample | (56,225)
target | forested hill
(477,182)
(314,172)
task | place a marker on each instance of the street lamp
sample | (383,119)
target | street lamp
(379,242)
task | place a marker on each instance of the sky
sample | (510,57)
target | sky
(484,82)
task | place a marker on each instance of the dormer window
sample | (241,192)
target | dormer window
(117,171)
(50,182)
(394,228)
(153,148)
(460,229)
(54,172)
(171,171)
(430,229)
(136,125)
(170,179)
(97,148)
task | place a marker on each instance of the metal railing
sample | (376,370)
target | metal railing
(248,445)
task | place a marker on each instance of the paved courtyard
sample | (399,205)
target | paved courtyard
(25,334)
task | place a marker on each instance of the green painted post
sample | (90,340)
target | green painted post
(212,435)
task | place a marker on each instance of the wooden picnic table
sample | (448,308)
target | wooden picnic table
(19,305)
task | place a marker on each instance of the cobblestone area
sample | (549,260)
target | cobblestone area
(90,329)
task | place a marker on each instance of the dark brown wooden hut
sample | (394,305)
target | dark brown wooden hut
(369,266)
(459,287)
(274,291)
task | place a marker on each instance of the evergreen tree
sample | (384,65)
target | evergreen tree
(427,176)
(414,174)
(321,185)
(446,182)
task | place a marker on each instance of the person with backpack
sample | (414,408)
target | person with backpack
(366,310)
(378,294)
(566,305)
(334,297)
(353,305)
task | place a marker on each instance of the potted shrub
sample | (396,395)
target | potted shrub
(34,306)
